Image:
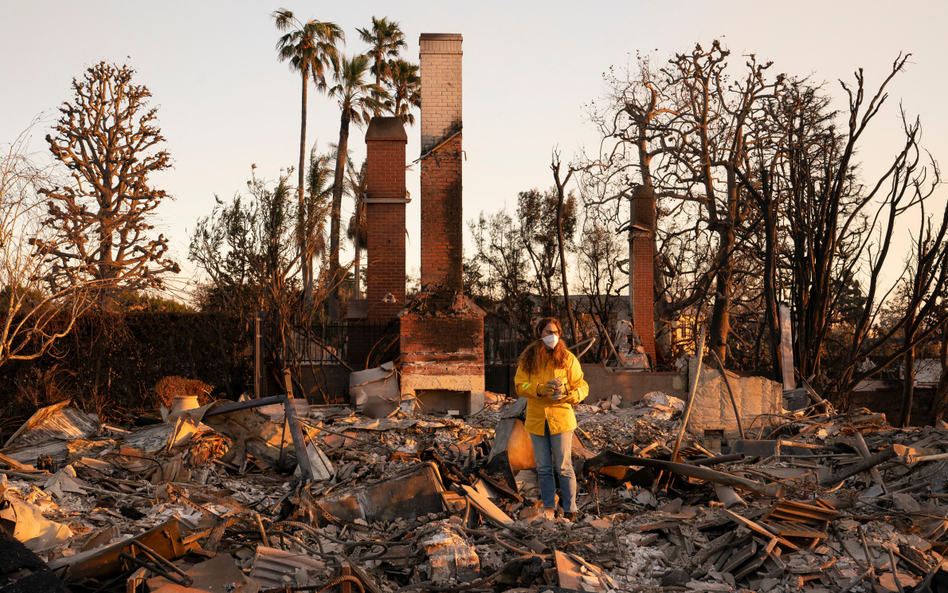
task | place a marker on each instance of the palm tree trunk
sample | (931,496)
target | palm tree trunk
(378,78)
(303,235)
(356,268)
(335,218)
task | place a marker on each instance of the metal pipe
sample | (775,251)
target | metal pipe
(184,581)
(155,556)
(691,399)
(728,496)
(719,459)
(259,377)
(290,418)
(737,413)
(856,468)
(701,473)
(296,431)
(244,405)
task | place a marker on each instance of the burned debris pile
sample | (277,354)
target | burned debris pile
(224,498)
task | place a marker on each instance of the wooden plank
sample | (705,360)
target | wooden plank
(486,507)
(713,547)
(799,514)
(658,526)
(798,511)
(793,530)
(20,467)
(753,564)
(718,562)
(741,556)
(757,528)
(571,573)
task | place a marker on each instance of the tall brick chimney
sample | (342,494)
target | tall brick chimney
(441,336)
(385,217)
(642,281)
(441,218)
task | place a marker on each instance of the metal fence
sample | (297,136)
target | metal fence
(356,344)
(502,344)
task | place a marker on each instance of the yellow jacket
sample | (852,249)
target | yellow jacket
(558,414)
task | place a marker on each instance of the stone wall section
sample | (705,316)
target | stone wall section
(759,400)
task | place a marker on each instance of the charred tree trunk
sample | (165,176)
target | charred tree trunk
(908,388)
(304,238)
(560,190)
(335,219)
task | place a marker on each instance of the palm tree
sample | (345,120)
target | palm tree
(358,230)
(357,99)
(319,190)
(406,89)
(385,39)
(308,48)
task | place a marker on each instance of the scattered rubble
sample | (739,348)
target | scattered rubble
(809,500)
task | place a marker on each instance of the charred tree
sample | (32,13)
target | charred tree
(108,138)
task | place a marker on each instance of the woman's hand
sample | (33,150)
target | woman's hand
(552,389)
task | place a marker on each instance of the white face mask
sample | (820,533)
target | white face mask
(551,340)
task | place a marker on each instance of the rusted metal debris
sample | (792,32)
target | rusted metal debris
(813,501)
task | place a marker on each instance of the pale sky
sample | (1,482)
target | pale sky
(529,70)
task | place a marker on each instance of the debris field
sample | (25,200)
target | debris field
(224,498)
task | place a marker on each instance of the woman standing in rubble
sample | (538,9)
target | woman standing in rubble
(551,380)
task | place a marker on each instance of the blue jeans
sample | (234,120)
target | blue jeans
(553,452)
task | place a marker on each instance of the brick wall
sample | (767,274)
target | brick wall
(643,256)
(442,345)
(442,220)
(385,169)
(441,217)
(441,86)
(386,259)
(385,217)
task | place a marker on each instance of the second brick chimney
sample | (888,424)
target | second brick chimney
(385,217)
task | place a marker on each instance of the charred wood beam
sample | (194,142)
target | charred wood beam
(866,464)
(692,471)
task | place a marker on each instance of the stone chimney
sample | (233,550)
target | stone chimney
(385,142)
(441,218)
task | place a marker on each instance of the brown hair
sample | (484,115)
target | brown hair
(537,355)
